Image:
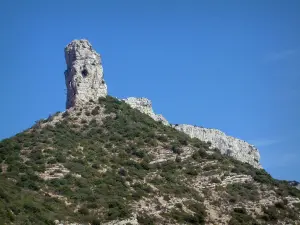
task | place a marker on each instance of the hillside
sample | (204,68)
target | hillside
(111,161)
(106,163)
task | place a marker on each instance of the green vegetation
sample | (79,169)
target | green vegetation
(278,211)
(239,216)
(242,191)
(107,169)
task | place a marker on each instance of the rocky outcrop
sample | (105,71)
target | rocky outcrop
(228,145)
(238,149)
(145,106)
(84,74)
(84,81)
(295,184)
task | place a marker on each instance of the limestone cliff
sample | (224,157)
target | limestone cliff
(145,106)
(228,145)
(84,74)
(238,149)
(295,184)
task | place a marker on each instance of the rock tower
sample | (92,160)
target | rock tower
(84,74)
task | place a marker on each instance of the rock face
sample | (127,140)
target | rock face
(145,106)
(295,184)
(228,145)
(238,149)
(84,81)
(84,74)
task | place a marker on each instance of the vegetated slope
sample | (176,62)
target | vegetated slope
(107,163)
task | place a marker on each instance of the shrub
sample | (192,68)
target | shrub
(140,154)
(270,214)
(215,180)
(83,211)
(175,149)
(279,205)
(144,219)
(95,221)
(242,191)
(83,121)
(191,171)
(178,159)
(122,172)
(117,210)
(183,217)
(95,111)
(178,205)
(239,217)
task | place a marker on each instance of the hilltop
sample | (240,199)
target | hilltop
(105,161)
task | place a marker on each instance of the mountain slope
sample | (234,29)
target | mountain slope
(106,163)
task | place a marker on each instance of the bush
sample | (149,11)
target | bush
(191,171)
(95,111)
(279,205)
(140,154)
(178,159)
(144,219)
(175,149)
(178,205)
(183,217)
(83,121)
(95,221)
(117,210)
(83,211)
(239,217)
(215,180)
(122,172)
(242,192)
(270,214)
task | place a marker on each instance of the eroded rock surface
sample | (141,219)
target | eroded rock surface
(145,106)
(239,149)
(234,147)
(84,74)
(295,184)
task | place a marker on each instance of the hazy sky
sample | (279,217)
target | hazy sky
(231,65)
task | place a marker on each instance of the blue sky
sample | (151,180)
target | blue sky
(231,65)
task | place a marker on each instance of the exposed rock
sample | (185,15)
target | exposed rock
(228,145)
(84,74)
(234,147)
(238,178)
(54,171)
(84,81)
(145,106)
(295,184)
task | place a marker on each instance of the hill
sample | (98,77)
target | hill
(108,162)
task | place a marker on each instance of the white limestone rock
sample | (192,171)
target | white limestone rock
(84,74)
(238,149)
(295,184)
(145,106)
(234,147)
